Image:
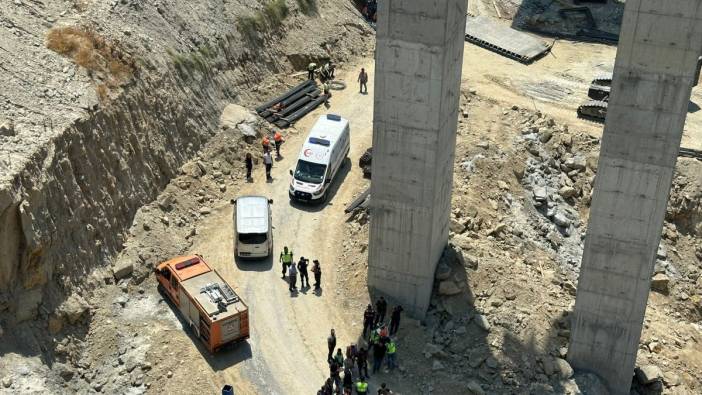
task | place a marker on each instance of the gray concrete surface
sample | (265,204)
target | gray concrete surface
(503,39)
(419,56)
(653,77)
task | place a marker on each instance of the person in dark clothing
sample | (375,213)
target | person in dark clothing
(331,344)
(329,386)
(334,369)
(302,268)
(249,165)
(381,307)
(362,362)
(348,380)
(378,355)
(363,81)
(368,319)
(317,271)
(384,390)
(395,319)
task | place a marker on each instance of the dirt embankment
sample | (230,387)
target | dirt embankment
(102,121)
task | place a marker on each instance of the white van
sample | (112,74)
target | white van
(253,234)
(321,157)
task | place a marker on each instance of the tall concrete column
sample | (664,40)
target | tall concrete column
(419,57)
(659,44)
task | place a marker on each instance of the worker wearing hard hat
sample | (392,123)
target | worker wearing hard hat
(310,70)
(278,138)
(286,258)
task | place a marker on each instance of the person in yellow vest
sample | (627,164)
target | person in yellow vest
(361,386)
(286,258)
(391,350)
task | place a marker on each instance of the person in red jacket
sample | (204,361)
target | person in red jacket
(278,138)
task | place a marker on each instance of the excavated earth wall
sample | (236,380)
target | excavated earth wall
(75,169)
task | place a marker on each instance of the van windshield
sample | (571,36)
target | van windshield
(253,238)
(310,172)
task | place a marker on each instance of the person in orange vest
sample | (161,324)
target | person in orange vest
(266,143)
(278,138)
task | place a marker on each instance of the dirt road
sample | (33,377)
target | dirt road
(289,330)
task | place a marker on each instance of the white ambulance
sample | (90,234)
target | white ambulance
(321,157)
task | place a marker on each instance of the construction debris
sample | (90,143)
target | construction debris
(286,109)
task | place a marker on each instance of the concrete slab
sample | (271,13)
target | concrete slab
(504,40)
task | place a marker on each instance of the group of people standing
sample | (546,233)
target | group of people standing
(381,346)
(292,270)
(267,158)
(325,73)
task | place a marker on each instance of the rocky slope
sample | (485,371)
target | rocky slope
(97,125)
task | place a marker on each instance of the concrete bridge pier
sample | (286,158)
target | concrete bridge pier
(654,72)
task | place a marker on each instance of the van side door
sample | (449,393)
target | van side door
(270,228)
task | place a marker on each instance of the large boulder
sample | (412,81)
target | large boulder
(661,283)
(234,114)
(563,368)
(123,268)
(74,309)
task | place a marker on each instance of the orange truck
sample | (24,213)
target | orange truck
(209,305)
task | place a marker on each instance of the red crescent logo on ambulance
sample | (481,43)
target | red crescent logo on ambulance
(307,153)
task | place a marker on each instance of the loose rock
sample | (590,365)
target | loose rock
(661,283)
(482,322)
(567,192)
(448,288)
(443,272)
(474,388)
(648,373)
(565,371)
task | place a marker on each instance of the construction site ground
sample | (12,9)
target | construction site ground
(135,342)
